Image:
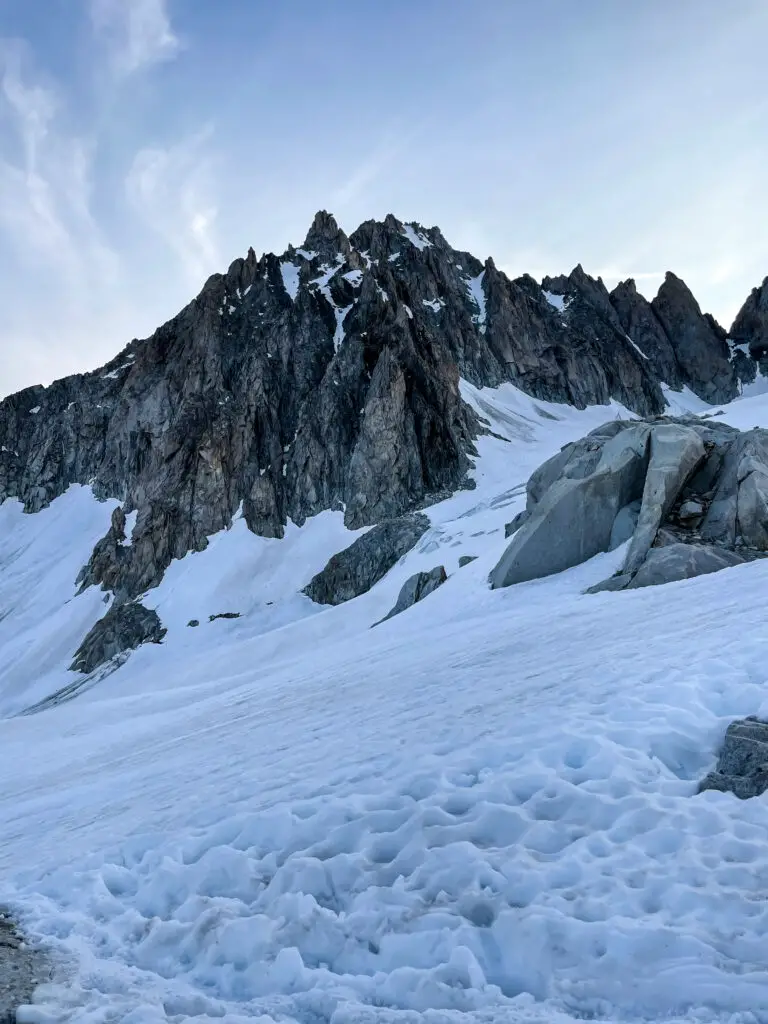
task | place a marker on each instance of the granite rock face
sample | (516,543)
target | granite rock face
(690,496)
(356,569)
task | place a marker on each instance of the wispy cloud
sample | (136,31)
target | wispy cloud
(139,32)
(44,176)
(171,190)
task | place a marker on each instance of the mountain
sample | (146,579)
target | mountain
(403,730)
(329,378)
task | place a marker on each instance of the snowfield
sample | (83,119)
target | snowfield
(482,810)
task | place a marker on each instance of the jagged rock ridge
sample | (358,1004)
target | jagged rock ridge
(329,378)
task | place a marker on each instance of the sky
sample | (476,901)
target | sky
(145,144)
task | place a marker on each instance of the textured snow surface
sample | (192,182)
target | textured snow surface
(482,810)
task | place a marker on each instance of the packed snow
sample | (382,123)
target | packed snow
(355,277)
(558,302)
(417,238)
(477,295)
(290,274)
(482,810)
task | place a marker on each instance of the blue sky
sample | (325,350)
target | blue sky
(146,143)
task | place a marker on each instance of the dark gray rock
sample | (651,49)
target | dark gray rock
(23,967)
(751,324)
(742,767)
(681,562)
(466,559)
(640,323)
(107,563)
(601,361)
(124,628)
(356,569)
(699,344)
(416,588)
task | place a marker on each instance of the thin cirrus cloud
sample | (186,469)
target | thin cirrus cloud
(138,31)
(171,189)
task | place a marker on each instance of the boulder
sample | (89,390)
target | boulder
(415,589)
(721,522)
(752,503)
(356,569)
(516,523)
(124,628)
(675,453)
(681,562)
(742,767)
(466,559)
(575,517)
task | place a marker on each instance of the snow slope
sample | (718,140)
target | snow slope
(482,810)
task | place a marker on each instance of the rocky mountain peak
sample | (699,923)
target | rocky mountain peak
(700,348)
(751,324)
(328,378)
(325,236)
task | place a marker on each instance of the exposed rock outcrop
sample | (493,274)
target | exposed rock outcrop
(328,378)
(22,968)
(574,518)
(640,323)
(124,628)
(699,343)
(742,767)
(750,327)
(415,589)
(691,496)
(356,569)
